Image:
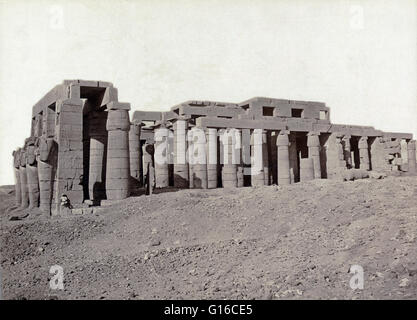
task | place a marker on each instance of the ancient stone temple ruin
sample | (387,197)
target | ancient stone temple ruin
(84,147)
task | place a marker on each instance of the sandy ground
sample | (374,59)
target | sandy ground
(292,242)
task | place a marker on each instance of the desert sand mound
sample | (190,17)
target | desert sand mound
(292,242)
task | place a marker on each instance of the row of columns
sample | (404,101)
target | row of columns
(29,176)
(34,168)
(204,175)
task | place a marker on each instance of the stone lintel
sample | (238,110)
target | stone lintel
(115,105)
(147,116)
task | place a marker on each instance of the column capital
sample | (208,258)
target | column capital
(282,139)
(118,119)
(313,140)
(208,130)
(284,132)
(363,142)
(346,137)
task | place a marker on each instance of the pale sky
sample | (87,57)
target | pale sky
(359,57)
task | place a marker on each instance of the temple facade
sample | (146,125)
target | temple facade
(85,147)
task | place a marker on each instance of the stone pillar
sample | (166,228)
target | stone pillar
(69,163)
(307,169)
(135,157)
(211,157)
(38,126)
(397,161)
(257,164)
(347,150)
(294,172)
(364,153)
(47,161)
(32,175)
(148,167)
(313,143)
(23,180)
(283,158)
(246,156)
(239,158)
(189,156)
(378,154)
(118,167)
(17,187)
(229,170)
(45,169)
(265,157)
(161,157)
(198,159)
(181,174)
(411,153)
(335,158)
(98,153)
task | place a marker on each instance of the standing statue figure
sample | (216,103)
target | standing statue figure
(16,166)
(45,165)
(32,173)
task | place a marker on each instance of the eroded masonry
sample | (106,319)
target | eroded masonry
(84,148)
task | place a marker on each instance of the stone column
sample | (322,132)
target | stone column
(98,152)
(161,157)
(347,150)
(211,157)
(135,157)
(148,167)
(246,156)
(16,165)
(411,152)
(238,156)
(229,170)
(293,156)
(307,169)
(45,169)
(181,174)
(257,165)
(118,167)
(364,153)
(265,157)
(23,180)
(32,175)
(198,161)
(47,161)
(313,143)
(283,158)
(189,156)
(335,158)
(69,163)
(38,125)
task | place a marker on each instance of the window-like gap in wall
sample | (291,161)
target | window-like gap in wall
(297,113)
(268,111)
